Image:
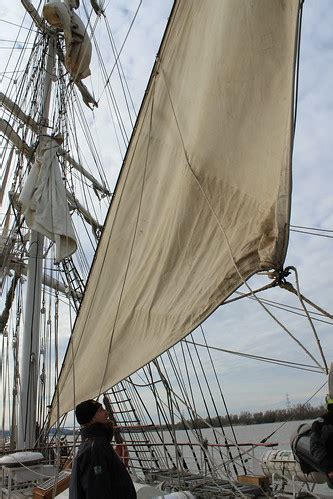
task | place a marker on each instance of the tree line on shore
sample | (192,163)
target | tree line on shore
(298,412)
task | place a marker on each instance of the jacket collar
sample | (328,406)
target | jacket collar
(97,430)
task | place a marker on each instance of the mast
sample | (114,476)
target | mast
(30,349)
(61,234)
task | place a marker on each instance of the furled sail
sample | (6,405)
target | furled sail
(203,199)
(44,200)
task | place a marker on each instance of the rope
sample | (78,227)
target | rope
(4,356)
(204,399)
(311,233)
(289,287)
(177,372)
(311,228)
(192,401)
(74,379)
(208,425)
(288,420)
(210,419)
(110,95)
(147,371)
(188,406)
(291,309)
(201,445)
(285,363)
(19,25)
(309,318)
(121,75)
(220,390)
(56,352)
(181,463)
(250,294)
(121,49)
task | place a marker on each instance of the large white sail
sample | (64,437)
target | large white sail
(203,198)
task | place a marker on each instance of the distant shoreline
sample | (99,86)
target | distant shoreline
(298,412)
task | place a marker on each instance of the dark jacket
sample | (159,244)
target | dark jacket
(98,472)
(321,441)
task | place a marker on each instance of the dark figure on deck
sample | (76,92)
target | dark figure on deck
(321,440)
(98,472)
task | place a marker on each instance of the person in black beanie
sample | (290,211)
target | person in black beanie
(98,472)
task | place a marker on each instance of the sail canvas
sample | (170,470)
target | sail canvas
(44,203)
(203,199)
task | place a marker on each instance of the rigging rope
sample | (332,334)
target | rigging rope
(177,397)
(210,392)
(192,400)
(205,402)
(288,308)
(121,75)
(121,49)
(219,386)
(285,363)
(177,373)
(309,318)
(311,228)
(289,287)
(312,233)
(147,371)
(288,420)
(19,25)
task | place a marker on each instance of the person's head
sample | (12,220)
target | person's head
(329,403)
(90,411)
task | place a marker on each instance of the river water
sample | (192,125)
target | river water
(278,433)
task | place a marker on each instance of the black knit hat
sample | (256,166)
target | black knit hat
(86,411)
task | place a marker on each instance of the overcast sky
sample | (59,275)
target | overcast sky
(245,326)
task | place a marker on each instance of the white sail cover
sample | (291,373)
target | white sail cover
(203,198)
(44,202)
